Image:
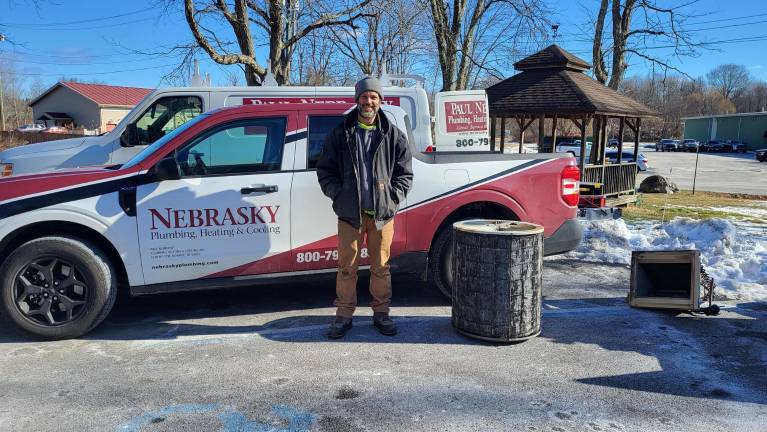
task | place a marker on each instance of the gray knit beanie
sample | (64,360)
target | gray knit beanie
(367,84)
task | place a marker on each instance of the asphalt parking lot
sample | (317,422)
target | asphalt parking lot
(257,359)
(716,172)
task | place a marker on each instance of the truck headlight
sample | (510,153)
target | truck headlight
(6,169)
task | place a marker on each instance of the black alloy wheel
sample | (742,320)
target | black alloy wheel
(50,291)
(56,287)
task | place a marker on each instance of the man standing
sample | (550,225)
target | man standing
(365,168)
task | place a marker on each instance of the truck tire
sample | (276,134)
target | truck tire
(441,262)
(57,287)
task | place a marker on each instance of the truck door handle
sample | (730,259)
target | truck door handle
(258,188)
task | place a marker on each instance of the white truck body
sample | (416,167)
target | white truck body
(111,147)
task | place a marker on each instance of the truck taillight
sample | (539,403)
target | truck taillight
(6,169)
(571,176)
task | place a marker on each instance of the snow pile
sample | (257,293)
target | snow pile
(735,255)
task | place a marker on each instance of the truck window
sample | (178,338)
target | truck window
(165,115)
(319,128)
(243,147)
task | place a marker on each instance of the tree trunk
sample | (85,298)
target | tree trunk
(600,72)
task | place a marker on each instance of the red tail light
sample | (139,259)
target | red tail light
(571,177)
(429,149)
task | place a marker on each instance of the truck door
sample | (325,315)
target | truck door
(229,214)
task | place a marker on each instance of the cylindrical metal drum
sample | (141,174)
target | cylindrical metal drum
(497,279)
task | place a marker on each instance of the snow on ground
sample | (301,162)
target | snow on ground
(733,253)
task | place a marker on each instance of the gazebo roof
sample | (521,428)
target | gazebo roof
(552,82)
(552,56)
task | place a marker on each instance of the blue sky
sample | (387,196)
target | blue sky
(92,40)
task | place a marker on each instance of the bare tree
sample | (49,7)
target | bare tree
(730,79)
(15,109)
(462,28)
(638,27)
(754,98)
(278,24)
(313,60)
(674,97)
(387,39)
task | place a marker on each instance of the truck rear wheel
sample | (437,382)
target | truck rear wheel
(57,287)
(441,262)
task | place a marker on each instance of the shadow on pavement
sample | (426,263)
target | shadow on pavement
(700,357)
(151,317)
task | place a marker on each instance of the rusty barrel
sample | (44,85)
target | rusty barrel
(497,279)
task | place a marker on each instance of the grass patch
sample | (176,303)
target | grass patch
(702,205)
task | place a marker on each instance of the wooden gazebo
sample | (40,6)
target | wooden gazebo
(552,85)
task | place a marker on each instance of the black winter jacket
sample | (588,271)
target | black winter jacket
(338,171)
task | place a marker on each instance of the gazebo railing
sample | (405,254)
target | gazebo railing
(616,179)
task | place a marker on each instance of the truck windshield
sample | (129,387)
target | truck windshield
(143,154)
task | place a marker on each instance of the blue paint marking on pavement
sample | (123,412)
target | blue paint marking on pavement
(136,423)
(298,421)
(232,420)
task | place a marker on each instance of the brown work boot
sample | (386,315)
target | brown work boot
(384,324)
(339,327)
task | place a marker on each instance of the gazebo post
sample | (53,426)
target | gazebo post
(603,140)
(582,159)
(636,137)
(602,145)
(553,133)
(620,140)
(521,123)
(503,131)
(541,131)
(492,133)
(597,130)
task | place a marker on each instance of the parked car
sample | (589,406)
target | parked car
(713,146)
(761,155)
(31,128)
(667,144)
(627,156)
(573,147)
(56,130)
(736,146)
(690,145)
(612,142)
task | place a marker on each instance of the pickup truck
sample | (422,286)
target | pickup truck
(231,198)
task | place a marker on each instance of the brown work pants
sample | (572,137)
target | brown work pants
(349,253)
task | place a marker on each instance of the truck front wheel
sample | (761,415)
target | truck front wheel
(57,287)
(441,262)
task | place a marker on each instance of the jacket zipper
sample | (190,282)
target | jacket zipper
(357,177)
(376,197)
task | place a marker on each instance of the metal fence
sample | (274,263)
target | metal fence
(616,179)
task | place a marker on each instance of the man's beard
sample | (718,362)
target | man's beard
(369,115)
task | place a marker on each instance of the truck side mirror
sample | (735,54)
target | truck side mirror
(130,137)
(168,169)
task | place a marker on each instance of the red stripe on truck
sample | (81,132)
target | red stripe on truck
(422,221)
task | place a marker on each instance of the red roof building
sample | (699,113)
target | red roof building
(89,106)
